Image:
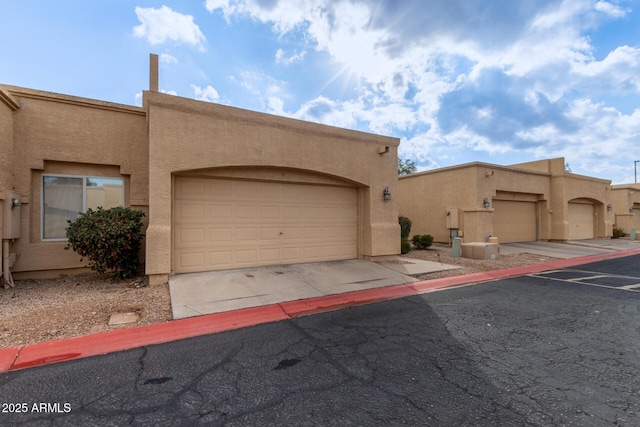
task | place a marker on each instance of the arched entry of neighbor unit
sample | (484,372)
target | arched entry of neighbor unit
(246,217)
(582,218)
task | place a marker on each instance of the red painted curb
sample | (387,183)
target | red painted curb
(305,307)
(43,353)
(8,355)
(47,352)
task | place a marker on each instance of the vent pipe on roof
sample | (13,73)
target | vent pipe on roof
(153,72)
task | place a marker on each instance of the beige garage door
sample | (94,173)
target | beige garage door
(635,221)
(221,224)
(514,221)
(580,221)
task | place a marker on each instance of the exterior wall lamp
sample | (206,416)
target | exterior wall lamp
(609,207)
(386,194)
(631,209)
(485,203)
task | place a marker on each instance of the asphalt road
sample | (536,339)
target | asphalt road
(559,348)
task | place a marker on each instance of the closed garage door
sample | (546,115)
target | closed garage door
(221,224)
(514,221)
(635,220)
(580,221)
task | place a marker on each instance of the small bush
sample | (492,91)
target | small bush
(405,246)
(110,239)
(405,227)
(422,241)
(618,233)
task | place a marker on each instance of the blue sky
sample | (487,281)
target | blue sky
(497,81)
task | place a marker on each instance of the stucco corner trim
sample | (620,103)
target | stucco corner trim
(8,99)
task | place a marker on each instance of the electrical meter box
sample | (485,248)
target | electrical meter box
(11,216)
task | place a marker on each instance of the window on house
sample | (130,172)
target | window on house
(63,196)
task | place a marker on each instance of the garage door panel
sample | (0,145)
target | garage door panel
(246,234)
(190,236)
(243,190)
(219,258)
(261,223)
(192,259)
(220,234)
(269,212)
(514,221)
(219,211)
(580,218)
(192,188)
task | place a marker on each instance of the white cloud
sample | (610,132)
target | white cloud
(329,112)
(168,59)
(169,92)
(208,94)
(286,60)
(494,77)
(164,24)
(610,9)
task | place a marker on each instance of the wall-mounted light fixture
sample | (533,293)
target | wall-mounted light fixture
(488,174)
(383,149)
(631,209)
(386,194)
(15,202)
(485,203)
(609,207)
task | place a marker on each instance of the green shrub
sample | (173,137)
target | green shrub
(110,239)
(405,227)
(422,241)
(618,233)
(405,246)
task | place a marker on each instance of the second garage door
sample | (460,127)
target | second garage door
(221,224)
(514,221)
(580,221)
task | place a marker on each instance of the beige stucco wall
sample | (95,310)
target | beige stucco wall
(60,134)
(625,198)
(187,135)
(7,107)
(69,135)
(426,197)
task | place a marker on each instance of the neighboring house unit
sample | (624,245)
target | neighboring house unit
(221,187)
(518,203)
(625,200)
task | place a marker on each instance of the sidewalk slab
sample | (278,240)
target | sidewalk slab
(414,267)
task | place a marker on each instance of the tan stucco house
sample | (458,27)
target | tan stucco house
(625,200)
(518,203)
(221,187)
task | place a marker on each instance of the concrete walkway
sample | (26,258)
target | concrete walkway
(196,294)
(571,249)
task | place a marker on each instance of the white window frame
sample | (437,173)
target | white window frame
(84,198)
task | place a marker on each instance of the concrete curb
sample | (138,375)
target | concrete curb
(48,352)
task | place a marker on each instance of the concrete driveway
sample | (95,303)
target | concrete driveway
(196,294)
(571,249)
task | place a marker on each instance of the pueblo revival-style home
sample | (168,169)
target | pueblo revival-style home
(519,203)
(221,187)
